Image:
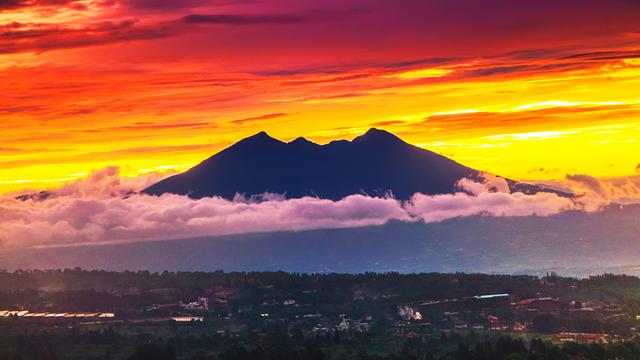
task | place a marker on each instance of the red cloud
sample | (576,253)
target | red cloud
(258,118)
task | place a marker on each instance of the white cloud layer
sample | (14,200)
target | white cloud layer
(594,193)
(101,209)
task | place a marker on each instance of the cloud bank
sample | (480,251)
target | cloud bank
(105,208)
(596,193)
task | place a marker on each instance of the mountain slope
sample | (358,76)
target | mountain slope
(375,163)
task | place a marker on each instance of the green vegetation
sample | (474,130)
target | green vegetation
(277,315)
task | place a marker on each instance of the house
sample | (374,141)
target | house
(491,300)
(583,337)
(540,304)
(518,326)
(187,319)
(345,324)
(200,304)
(411,335)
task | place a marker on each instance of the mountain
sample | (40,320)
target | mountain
(571,243)
(375,163)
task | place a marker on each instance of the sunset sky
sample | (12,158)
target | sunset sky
(530,89)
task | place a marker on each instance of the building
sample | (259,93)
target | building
(187,319)
(491,301)
(539,304)
(583,337)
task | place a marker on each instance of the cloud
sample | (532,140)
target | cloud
(604,55)
(589,182)
(17,109)
(258,118)
(4,149)
(101,184)
(595,193)
(525,118)
(39,37)
(164,5)
(79,111)
(73,220)
(388,123)
(17,37)
(442,207)
(146,126)
(102,209)
(422,62)
(507,65)
(490,197)
(21,4)
(102,155)
(270,19)
(243,19)
(107,183)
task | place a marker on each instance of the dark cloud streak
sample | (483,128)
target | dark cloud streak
(243,19)
(18,37)
(22,4)
(258,118)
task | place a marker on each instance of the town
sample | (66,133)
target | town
(204,315)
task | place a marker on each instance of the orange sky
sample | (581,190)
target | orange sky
(528,89)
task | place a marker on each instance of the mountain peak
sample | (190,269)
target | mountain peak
(260,138)
(301,140)
(302,143)
(262,135)
(377,135)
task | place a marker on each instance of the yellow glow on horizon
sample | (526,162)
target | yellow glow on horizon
(632,62)
(538,135)
(422,73)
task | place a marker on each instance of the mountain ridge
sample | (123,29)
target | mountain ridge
(375,163)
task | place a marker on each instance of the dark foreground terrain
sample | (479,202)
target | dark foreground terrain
(77,314)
